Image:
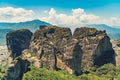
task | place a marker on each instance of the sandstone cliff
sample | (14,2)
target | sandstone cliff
(56,48)
(50,44)
(96,47)
(17,41)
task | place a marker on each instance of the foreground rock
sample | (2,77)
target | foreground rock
(17,41)
(16,69)
(116,47)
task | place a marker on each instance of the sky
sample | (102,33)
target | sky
(62,12)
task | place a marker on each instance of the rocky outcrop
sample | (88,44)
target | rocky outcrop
(70,60)
(96,47)
(17,41)
(16,69)
(104,53)
(116,47)
(56,47)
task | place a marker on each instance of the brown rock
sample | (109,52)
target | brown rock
(116,47)
(96,47)
(53,45)
(56,47)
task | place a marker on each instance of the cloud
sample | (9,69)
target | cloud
(77,17)
(10,14)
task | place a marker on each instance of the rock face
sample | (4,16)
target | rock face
(96,47)
(16,69)
(56,47)
(116,47)
(17,41)
(50,44)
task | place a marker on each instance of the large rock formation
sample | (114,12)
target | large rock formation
(55,47)
(50,44)
(96,47)
(17,41)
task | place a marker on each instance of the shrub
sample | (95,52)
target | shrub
(45,74)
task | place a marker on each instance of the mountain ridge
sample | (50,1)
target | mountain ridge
(6,27)
(32,25)
(113,33)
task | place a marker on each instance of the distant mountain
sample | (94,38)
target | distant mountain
(31,25)
(113,33)
(7,27)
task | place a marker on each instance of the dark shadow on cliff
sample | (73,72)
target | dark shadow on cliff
(104,53)
(107,57)
(75,62)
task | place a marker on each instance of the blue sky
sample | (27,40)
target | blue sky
(102,8)
(61,3)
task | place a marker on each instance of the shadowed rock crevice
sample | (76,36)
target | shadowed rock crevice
(75,62)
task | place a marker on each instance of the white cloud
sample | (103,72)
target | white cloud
(10,14)
(78,17)
(45,11)
(77,12)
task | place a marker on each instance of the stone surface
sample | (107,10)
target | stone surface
(16,69)
(3,55)
(17,41)
(116,47)
(96,47)
(56,48)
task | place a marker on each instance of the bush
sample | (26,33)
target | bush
(45,74)
(105,72)
(91,77)
(107,69)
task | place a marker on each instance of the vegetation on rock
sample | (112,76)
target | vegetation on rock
(105,72)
